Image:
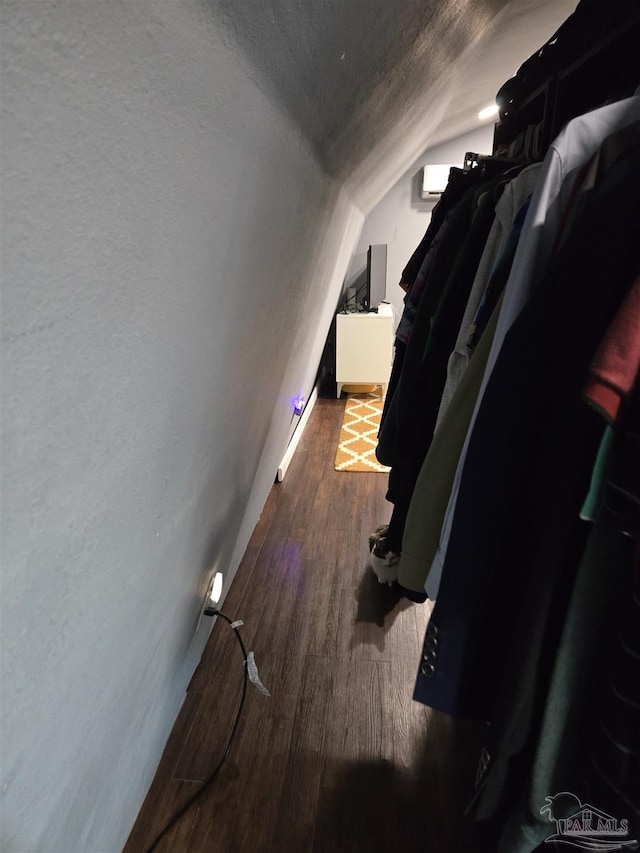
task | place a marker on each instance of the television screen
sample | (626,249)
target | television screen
(376,276)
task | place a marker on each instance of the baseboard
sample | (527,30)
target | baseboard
(295,438)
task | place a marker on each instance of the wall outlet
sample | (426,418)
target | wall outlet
(205,602)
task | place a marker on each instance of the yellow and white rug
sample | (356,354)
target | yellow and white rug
(359,434)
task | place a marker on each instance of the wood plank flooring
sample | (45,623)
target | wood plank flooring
(339,759)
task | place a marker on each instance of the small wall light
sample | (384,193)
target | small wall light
(216,588)
(298,406)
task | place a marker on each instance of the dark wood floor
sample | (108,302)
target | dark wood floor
(339,759)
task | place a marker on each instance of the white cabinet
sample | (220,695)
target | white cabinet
(364,344)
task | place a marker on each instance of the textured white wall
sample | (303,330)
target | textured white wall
(171,257)
(400,218)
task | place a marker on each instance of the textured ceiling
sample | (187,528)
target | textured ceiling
(371,83)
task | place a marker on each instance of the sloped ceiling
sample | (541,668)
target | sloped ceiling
(372,83)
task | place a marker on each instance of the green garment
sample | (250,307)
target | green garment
(594,498)
(433,487)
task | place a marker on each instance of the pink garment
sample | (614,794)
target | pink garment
(616,366)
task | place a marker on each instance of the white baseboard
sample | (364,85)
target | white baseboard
(295,438)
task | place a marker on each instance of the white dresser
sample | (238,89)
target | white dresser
(364,346)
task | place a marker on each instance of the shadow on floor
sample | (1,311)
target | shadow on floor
(376,807)
(378,604)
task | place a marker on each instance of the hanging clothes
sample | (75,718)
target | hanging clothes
(588,739)
(433,486)
(527,436)
(515,192)
(413,411)
(415,272)
(421,304)
(458,183)
(570,152)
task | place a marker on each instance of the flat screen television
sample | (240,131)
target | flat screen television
(375,290)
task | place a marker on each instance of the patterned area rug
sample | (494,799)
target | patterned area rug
(359,434)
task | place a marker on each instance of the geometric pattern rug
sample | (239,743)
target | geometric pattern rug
(359,434)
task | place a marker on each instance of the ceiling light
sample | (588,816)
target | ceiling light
(487,112)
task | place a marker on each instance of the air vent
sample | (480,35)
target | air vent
(434,180)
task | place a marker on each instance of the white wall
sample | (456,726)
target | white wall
(401,217)
(171,258)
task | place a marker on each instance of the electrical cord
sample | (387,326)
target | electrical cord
(205,785)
